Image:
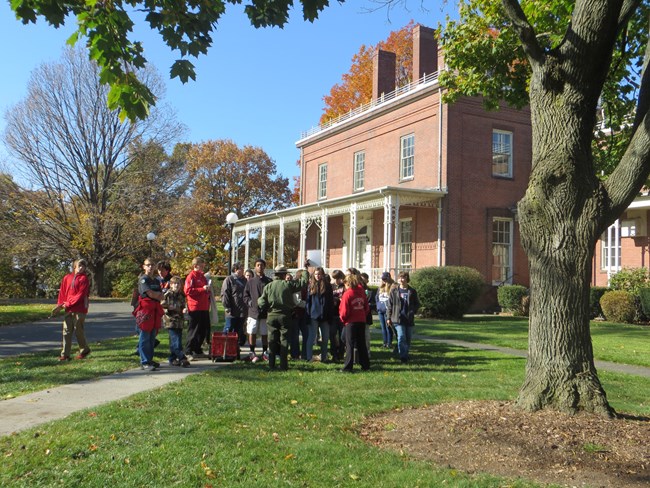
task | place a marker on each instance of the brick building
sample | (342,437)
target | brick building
(407,181)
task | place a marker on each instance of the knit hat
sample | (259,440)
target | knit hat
(385,276)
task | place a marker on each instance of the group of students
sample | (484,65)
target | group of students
(336,308)
(281,310)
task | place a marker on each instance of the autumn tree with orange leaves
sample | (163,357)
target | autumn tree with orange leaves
(356,85)
(224,178)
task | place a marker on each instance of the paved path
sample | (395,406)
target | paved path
(106,320)
(110,320)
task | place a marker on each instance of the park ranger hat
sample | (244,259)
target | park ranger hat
(280,270)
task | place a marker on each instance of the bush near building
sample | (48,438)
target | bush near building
(595,294)
(447,292)
(618,306)
(513,299)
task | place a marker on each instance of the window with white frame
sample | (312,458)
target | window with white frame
(502,153)
(359,170)
(501,251)
(610,250)
(407,157)
(322,181)
(405,243)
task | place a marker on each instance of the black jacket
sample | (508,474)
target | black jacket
(252,291)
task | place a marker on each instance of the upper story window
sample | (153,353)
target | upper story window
(359,170)
(502,153)
(407,157)
(322,181)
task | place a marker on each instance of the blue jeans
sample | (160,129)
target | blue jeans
(314,324)
(236,324)
(176,344)
(404,334)
(386,330)
(300,327)
(145,345)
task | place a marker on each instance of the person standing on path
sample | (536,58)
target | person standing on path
(232,298)
(197,292)
(148,314)
(256,321)
(73,297)
(403,303)
(278,299)
(353,312)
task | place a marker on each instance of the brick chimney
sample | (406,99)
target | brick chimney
(425,52)
(383,73)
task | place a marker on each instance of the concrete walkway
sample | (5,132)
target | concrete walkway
(31,410)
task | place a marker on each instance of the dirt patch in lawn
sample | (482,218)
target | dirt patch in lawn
(546,447)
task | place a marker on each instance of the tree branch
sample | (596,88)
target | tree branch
(628,8)
(525,32)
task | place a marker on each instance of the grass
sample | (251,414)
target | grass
(618,343)
(242,426)
(24,312)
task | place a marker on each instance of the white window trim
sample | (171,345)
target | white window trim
(322,183)
(402,264)
(510,155)
(510,244)
(402,158)
(355,180)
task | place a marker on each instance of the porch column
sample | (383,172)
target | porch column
(247,246)
(323,238)
(281,243)
(397,236)
(302,253)
(263,241)
(388,227)
(353,235)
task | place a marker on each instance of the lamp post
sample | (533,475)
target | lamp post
(151,237)
(231,220)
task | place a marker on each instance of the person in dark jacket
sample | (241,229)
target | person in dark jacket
(279,301)
(232,299)
(319,308)
(256,321)
(353,311)
(403,303)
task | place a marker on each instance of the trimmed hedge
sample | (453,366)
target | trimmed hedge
(447,292)
(618,306)
(595,294)
(511,299)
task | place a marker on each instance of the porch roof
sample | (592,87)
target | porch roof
(641,202)
(366,200)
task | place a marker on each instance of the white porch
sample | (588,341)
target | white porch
(275,232)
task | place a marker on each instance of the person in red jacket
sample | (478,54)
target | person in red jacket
(197,292)
(73,298)
(353,310)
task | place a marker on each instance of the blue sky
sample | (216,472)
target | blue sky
(256,86)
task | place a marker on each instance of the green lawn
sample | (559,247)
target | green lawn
(619,343)
(28,312)
(242,426)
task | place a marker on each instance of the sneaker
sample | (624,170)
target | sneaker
(189,357)
(82,354)
(255,359)
(185,363)
(174,362)
(64,358)
(265,356)
(155,364)
(148,367)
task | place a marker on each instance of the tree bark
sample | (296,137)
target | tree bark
(563,213)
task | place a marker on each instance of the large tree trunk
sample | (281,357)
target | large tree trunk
(99,269)
(561,217)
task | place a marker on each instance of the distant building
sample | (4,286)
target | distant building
(407,182)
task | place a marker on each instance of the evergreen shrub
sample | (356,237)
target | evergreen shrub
(595,294)
(644,298)
(618,306)
(447,292)
(510,298)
